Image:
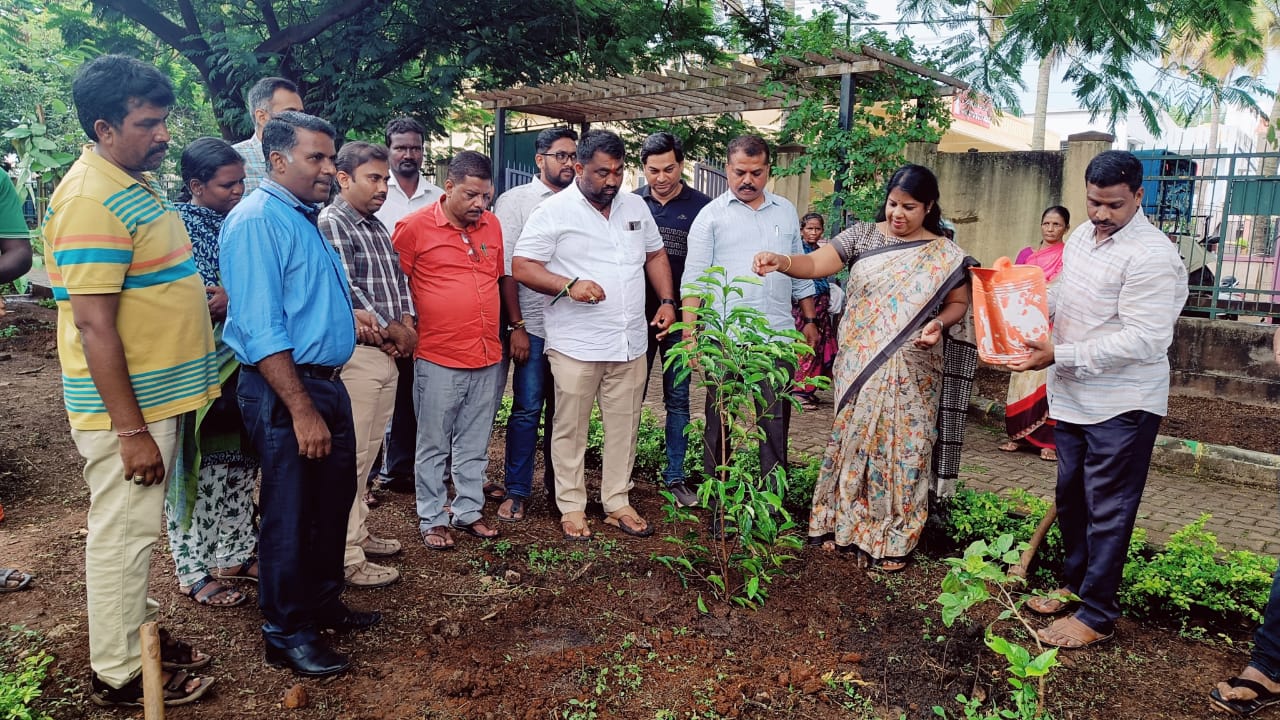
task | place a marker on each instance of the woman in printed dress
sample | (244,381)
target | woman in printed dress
(209,504)
(1026,410)
(812,228)
(902,375)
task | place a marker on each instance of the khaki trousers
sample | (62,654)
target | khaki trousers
(618,387)
(370,378)
(124,521)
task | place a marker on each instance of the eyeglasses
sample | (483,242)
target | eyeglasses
(561,157)
(471,250)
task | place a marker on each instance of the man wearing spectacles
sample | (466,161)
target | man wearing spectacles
(554,157)
(588,249)
(452,253)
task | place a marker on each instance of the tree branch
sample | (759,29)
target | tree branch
(286,38)
(175,35)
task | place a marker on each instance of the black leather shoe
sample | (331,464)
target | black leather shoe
(353,620)
(314,659)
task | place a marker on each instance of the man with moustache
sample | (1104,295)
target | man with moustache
(137,354)
(1114,306)
(385,314)
(674,206)
(589,249)
(452,253)
(267,98)
(729,231)
(289,322)
(407,191)
(554,150)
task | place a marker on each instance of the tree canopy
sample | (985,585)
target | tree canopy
(356,59)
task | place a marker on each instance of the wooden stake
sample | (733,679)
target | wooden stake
(1024,562)
(152,673)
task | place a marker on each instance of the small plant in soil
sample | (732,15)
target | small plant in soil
(739,361)
(976,578)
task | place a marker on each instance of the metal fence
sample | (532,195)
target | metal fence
(709,179)
(518,175)
(1223,212)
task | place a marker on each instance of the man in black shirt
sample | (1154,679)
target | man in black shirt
(674,206)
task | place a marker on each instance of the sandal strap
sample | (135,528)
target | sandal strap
(1258,688)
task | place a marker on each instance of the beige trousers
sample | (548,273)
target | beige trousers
(124,521)
(370,377)
(618,387)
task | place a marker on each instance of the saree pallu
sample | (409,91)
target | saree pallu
(900,418)
(819,363)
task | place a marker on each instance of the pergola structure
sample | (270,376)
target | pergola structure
(710,90)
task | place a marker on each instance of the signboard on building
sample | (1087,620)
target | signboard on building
(972,107)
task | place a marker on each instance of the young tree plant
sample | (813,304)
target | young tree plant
(746,368)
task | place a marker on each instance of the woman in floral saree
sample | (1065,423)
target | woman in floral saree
(902,376)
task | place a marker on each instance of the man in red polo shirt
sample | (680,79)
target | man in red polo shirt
(452,252)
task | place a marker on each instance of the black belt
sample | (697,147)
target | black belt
(331,373)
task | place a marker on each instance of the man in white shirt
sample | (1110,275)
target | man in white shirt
(555,153)
(407,191)
(588,249)
(728,232)
(267,98)
(1114,305)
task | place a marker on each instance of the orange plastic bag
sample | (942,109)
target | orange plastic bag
(1010,307)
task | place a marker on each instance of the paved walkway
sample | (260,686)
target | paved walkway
(1241,517)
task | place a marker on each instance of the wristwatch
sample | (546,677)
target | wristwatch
(517,325)
(667,301)
(809,320)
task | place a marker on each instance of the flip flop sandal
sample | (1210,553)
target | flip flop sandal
(178,655)
(1011,446)
(439,531)
(494,491)
(1048,455)
(617,517)
(7,574)
(1073,638)
(1054,603)
(516,510)
(892,564)
(175,692)
(577,522)
(211,599)
(470,529)
(1244,708)
(241,571)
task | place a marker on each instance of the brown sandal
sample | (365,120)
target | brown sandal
(1069,633)
(574,526)
(438,531)
(629,521)
(1010,446)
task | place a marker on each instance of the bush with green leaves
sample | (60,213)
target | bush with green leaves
(978,577)
(24,670)
(1192,575)
(739,360)
(977,515)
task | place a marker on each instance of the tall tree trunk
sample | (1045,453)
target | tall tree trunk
(1042,102)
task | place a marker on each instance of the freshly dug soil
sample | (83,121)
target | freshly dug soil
(537,627)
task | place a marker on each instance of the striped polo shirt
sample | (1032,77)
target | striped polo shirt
(107,233)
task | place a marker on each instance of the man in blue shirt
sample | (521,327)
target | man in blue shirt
(292,340)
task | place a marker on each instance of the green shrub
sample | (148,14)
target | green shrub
(1192,574)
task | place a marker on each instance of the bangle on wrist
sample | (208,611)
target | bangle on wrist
(787,269)
(133,432)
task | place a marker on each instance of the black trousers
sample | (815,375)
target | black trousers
(304,505)
(773,417)
(1102,470)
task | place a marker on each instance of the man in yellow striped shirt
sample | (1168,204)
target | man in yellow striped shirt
(137,354)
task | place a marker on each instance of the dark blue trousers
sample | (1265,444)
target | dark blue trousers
(1102,469)
(304,505)
(1266,639)
(399,448)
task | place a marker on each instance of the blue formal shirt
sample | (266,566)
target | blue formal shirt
(286,289)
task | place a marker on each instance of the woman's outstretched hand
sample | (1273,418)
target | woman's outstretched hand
(766,262)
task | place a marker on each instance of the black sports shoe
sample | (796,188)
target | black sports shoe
(684,496)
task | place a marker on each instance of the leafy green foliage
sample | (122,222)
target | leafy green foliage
(737,356)
(979,576)
(1192,574)
(1190,580)
(893,108)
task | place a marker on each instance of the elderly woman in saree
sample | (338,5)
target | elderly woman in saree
(1026,412)
(902,375)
